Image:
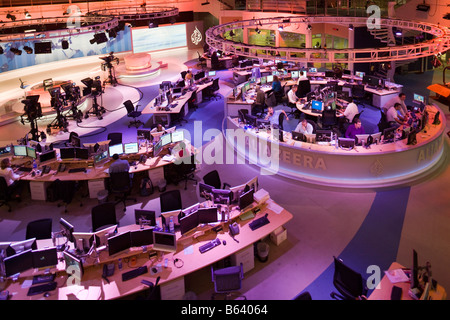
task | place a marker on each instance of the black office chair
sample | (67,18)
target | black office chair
(357,116)
(133,112)
(210,92)
(201,60)
(170,201)
(281,121)
(383,123)
(227,281)
(348,282)
(103,215)
(280,94)
(358,94)
(193,102)
(178,118)
(313,124)
(115,137)
(303,296)
(212,178)
(39,229)
(304,87)
(271,100)
(5,194)
(186,171)
(329,119)
(121,183)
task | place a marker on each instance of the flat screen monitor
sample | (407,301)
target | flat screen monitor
(119,243)
(207,215)
(424,121)
(116,149)
(263,80)
(164,241)
(47,83)
(5,150)
(251,120)
(376,137)
(323,135)
(189,210)
(75,141)
(20,151)
(100,157)
(295,74)
(144,134)
(82,153)
(142,237)
(24,245)
(270,78)
(346,143)
(166,139)
(189,222)
(329,74)
(246,199)
(415,271)
(389,133)
(130,148)
(222,196)
(199,75)
(418,98)
(31,152)
(360,74)
(103,234)
(74,265)
(317,105)
(67,153)
(44,258)
(205,190)
(211,73)
(361,139)
(157,148)
(47,156)
(313,70)
(298,136)
(18,263)
(347,72)
(141,214)
(83,240)
(177,136)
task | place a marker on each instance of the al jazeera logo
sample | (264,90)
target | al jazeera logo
(196,36)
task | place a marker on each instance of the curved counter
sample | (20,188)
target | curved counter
(381,165)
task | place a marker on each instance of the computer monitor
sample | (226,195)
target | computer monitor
(74,265)
(418,98)
(207,215)
(24,245)
(317,105)
(347,72)
(47,156)
(20,151)
(100,157)
(269,78)
(298,136)
(211,73)
(75,141)
(424,121)
(102,235)
(205,190)
(157,148)
(5,151)
(119,243)
(131,147)
(177,136)
(246,199)
(142,237)
(250,119)
(67,153)
(44,258)
(31,152)
(323,135)
(346,143)
(376,137)
(141,214)
(83,240)
(116,149)
(82,153)
(199,75)
(144,134)
(166,139)
(18,262)
(47,83)
(312,70)
(263,80)
(360,74)
(389,133)
(310,137)
(222,196)
(164,241)
(67,229)
(329,74)
(295,74)
(189,222)
(375,81)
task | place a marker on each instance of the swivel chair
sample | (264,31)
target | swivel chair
(201,60)
(210,91)
(212,178)
(281,121)
(348,282)
(227,281)
(39,229)
(115,137)
(358,94)
(170,201)
(304,87)
(5,194)
(103,215)
(271,100)
(121,183)
(186,171)
(329,119)
(133,112)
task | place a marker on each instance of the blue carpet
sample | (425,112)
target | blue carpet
(375,243)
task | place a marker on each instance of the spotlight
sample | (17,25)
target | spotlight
(309,27)
(257,30)
(27,15)
(28,50)
(398,33)
(280,27)
(153,25)
(16,51)
(350,27)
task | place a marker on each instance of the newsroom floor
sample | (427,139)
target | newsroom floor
(358,226)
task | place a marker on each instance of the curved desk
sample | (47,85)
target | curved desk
(381,165)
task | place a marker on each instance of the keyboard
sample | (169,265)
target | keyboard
(41,288)
(25,169)
(210,245)
(316,111)
(134,273)
(258,223)
(74,170)
(43,278)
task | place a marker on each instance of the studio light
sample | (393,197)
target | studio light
(398,33)
(16,51)
(257,30)
(28,49)
(350,27)
(309,27)
(280,27)
(27,15)
(65,44)
(153,25)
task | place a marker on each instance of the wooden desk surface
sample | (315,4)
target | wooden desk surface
(94,287)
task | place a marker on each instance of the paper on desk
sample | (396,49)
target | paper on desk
(396,275)
(189,250)
(168,157)
(274,207)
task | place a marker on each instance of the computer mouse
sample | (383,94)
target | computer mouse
(47,294)
(224,242)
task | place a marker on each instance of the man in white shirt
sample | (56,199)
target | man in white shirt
(12,179)
(350,111)
(292,96)
(392,116)
(398,99)
(304,126)
(302,76)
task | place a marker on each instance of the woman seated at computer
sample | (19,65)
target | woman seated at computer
(276,85)
(15,185)
(354,129)
(304,126)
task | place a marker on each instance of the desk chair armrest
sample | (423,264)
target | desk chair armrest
(226,185)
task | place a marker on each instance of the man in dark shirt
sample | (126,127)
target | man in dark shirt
(354,129)
(260,101)
(119,165)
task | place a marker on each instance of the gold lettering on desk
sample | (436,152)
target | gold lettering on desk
(430,150)
(305,161)
(377,168)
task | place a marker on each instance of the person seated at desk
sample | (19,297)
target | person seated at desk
(260,101)
(214,61)
(393,117)
(119,165)
(304,126)
(354,129)
(276,85)
(398,99)
(302,76)
(15,185)
(292,96)
(350,111)
(273,116)
(189,78)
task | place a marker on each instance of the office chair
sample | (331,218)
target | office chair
(329,118)
(357,116)
(227,281)
(210,91)
(212,178)
(39,229)
(201,60)
(183,74)
(280,94)
(133,112)
(383,123)
(115,137)
(178,118)
(5,194)
(281,121)
(185,171)
(358,93)
(271,100)
(348,282)
(103,215)
(304,87)
(303,296)
(64,191)
(170,201)
(121,183)
(313,124)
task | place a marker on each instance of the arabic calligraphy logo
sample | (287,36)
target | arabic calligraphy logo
(196,36)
